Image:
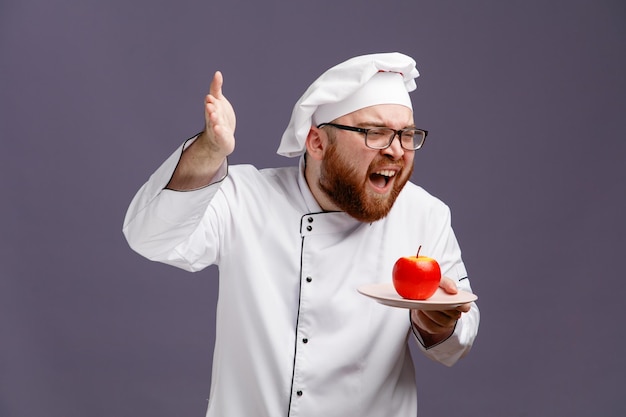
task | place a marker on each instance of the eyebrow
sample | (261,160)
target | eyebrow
(373,124)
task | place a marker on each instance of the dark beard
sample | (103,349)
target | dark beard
(347,189)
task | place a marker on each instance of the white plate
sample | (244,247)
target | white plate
(386,294)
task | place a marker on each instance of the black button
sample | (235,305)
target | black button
(299,393)
(310,219)
(309,228)
(305,340)
(309,279)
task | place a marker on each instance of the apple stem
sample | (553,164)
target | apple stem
(418,251)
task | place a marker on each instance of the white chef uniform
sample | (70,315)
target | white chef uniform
(293,335)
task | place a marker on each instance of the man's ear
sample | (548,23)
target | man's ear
(315,143)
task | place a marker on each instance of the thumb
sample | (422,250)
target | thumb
(216,85)
(448,285)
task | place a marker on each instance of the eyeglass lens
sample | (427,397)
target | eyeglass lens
(381,137)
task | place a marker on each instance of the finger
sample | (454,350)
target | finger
(212,110)
(216,85)
(209,112)
(447,317)
(439,320)
(464,308)
(428,325)
(448,285)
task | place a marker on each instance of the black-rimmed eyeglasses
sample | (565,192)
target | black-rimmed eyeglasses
(382,137)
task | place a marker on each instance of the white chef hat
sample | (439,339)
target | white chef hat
(357,83)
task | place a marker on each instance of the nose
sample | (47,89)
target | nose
(395,150)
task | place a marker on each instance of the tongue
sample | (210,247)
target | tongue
(378,180)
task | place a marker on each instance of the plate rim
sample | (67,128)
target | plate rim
(412,304)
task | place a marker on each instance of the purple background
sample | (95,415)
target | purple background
(525,102)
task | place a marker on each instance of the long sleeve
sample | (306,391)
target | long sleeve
(162,225)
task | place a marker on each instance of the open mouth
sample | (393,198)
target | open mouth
(380,179)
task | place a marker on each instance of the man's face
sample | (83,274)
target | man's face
(361,181)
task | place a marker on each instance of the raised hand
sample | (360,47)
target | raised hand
(220,121)
(204,157)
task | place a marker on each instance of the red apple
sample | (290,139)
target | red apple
(416,277)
